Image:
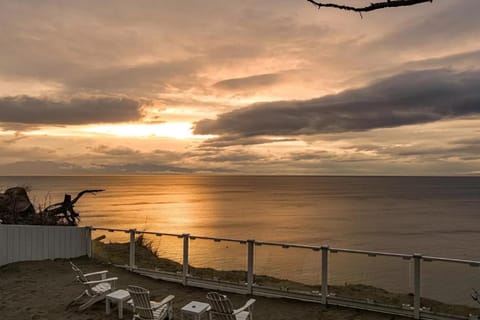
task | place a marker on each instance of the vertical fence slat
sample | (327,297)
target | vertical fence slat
(36,244)
(3,246)
(41,244)
(72,243)
(20,242)
(46,238)
(11,244)
(16,253)
(88,241)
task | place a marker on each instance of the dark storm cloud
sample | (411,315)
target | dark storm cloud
(252,82)
(32,110)
(405,99)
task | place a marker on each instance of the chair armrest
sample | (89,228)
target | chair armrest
(103,274)
(101,281)
(247,305)
(156,305)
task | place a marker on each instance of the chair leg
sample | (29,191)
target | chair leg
(91,302)
(75,300)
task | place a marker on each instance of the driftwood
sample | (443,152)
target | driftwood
(16,208)
(63,212)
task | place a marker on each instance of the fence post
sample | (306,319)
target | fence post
(132,249)
(88,236)
(250,261)
(417,259)
(186,238)
(324,274)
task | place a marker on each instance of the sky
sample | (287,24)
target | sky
(238,87)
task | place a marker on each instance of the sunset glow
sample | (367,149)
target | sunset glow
(178,130)
(270,87)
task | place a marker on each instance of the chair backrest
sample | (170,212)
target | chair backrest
(80,276)
(222,307)
(141,301)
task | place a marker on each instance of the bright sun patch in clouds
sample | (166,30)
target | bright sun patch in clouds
(176,130)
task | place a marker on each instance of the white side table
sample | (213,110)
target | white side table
(118,297)
(195,310)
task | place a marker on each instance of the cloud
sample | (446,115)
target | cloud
(38,167)
(145,167)
(42,167)
(59,168)
(237,156)
(405,99)
(32,110)
(147,77)
(454,21)
(252,82)
(229,140)
(116,151)
(467,149)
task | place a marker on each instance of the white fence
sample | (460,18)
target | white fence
(27,243)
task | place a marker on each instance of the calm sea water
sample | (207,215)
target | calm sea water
(437,216)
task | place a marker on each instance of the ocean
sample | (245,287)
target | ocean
(436,216)
(429,215)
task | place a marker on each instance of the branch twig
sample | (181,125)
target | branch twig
(371,7)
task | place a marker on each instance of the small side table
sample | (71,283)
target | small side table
(118,297)
(195,310)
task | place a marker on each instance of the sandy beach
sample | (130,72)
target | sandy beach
(42,290)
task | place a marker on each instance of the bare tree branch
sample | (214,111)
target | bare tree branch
(371,7)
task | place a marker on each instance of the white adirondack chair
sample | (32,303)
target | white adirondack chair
(222,308)
(144,309)
(95,290)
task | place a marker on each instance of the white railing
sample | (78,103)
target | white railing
(29,243)
(251,261)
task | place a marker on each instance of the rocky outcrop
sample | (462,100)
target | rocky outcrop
(16,208)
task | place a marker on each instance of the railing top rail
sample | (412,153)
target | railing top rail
(110,229)
(288,245)
(473,263)
(373,253)
(193,237)
(160,233)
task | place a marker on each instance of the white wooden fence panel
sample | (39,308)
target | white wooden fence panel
(27,243)
(3,246)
